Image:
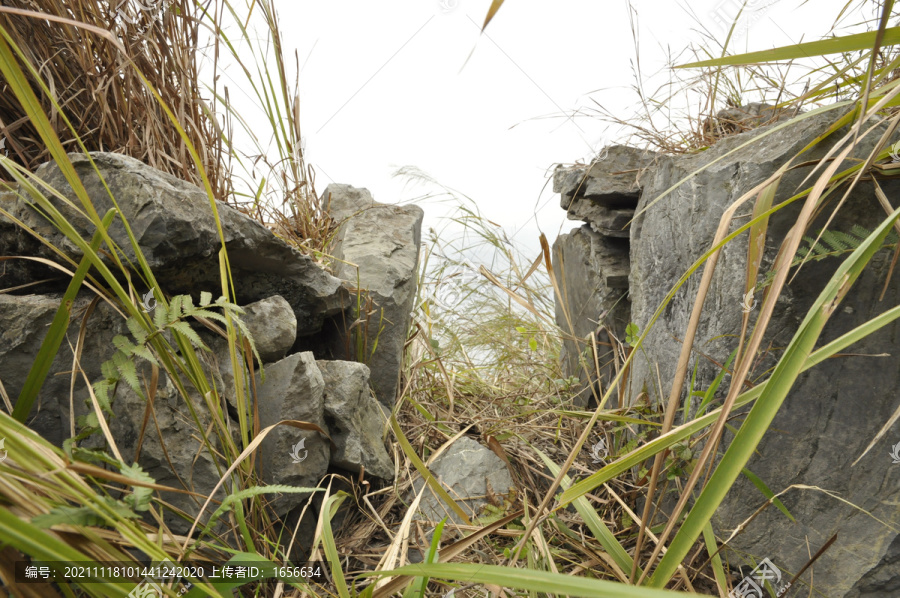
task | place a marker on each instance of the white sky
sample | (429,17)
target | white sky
(383,85)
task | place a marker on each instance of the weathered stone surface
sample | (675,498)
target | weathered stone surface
(293,390)
(355,421)
(273,326)
(175,228)
(593,278)
(383,241)
(832,412)
(738,119)
(611,222)
(24,322)
(473,476)
(587,192)
(171,451)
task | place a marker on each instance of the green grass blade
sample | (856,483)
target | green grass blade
(41,545)
(835,45)
(600,530)
(709,538)
(553,584)
(420,584)
(766,407)
(767,492)
(334,559)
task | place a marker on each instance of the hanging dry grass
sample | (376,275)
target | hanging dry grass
(101,95)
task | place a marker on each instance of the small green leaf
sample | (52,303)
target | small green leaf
(139,499)
(185,329)
(137,331)
(123,344)
(532,344)
(205,298)
(128,371)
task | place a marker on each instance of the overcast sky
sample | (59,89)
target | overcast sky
(413,82)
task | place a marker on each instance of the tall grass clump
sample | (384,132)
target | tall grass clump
(91,89)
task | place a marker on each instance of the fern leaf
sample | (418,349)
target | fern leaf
(188,332)
(137,331)
(175,309)
(146,353)
(128,371)
(123,344)
(159,317)
(139,499)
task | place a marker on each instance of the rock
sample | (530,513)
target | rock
(175,228)
(473,476)
(383,241)
(832,412)
(750,116)
(354,419)
(605,191)
(273,326)
(592,276)
(171,450)
(24,322)
(293,390)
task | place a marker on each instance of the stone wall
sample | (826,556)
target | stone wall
(833,411)
(293,309)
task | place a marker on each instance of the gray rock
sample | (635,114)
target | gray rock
(750,116)
(592,276)
(293,390)
(471,473)
(175,228)
(171,450)
(383,241)
(24,322)
(354,418)
(614,183)
(832,412)
(273,326)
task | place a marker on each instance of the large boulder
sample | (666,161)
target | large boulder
(174,226)
(355,420)
(377,248)
(832,412)
(592,275)
(293,390)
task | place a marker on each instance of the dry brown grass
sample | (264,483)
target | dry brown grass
(102,96)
